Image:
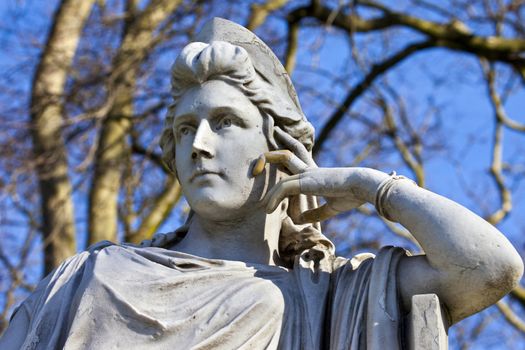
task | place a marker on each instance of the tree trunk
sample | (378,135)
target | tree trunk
(110,158)
(139,39)
(58,226)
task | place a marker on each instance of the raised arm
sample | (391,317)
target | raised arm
(468,263)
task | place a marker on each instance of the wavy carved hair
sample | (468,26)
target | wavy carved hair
(200,62)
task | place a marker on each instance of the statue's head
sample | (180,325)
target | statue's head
(223,117)
(200,64)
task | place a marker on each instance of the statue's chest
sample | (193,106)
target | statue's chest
(188,305)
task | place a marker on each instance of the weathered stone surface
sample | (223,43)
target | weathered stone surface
(427,329)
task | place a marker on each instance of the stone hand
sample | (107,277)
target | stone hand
(340,187)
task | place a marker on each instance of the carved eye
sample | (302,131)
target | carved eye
(225,122)
(184,130)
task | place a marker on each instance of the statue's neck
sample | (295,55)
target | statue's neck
(252,239)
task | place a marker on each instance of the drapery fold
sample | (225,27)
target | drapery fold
(120,296)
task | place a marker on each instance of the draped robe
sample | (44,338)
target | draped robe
(125,297)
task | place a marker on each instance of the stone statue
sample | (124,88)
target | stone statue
(251,269)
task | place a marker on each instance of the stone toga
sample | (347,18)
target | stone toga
(118,296)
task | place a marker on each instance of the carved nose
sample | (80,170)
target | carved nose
(196,153)
(202,142)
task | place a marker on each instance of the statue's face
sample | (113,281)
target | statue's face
(219,134)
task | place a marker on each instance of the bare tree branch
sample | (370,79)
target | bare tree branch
(291,48)
(152,156)
(376,70)
(16,276)
(160,210)
(457,36)
(392,131)
(259,12)
(497,151)
(510,316)
(518,293)
(497,104)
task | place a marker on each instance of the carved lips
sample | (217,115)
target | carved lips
(204,172)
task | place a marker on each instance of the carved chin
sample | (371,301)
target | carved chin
(220,209)
(207,204)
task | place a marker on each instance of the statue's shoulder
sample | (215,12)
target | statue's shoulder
(105,245)
(99,246)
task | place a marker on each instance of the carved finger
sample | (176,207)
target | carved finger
(322,213)
(259,165)
(295,146)
(277,186)
(285,188)
(283,157)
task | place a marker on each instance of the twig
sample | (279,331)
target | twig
(510,316)
(291,48)
(497,151)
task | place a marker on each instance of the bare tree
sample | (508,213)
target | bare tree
(46,111)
